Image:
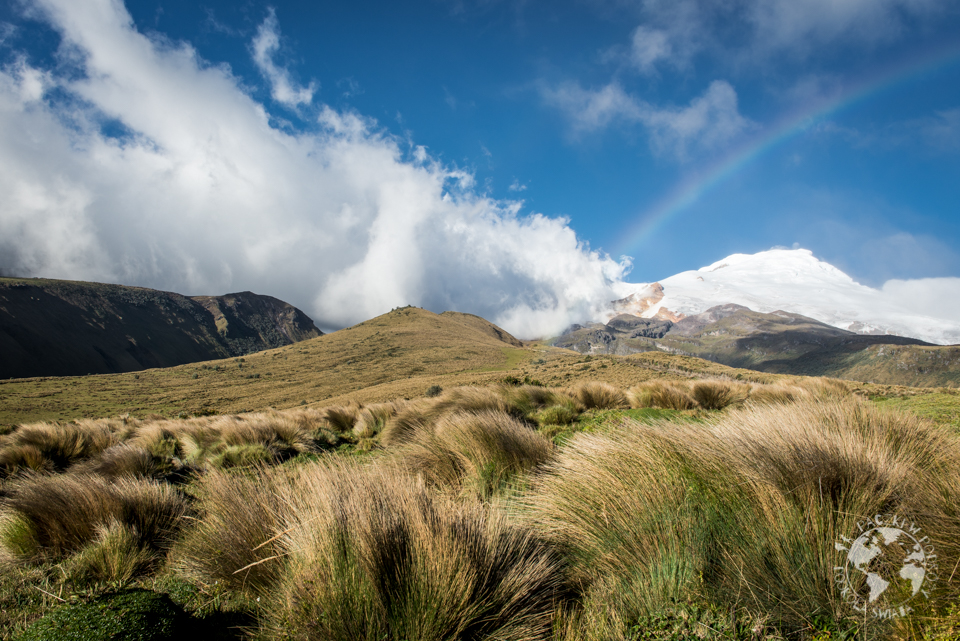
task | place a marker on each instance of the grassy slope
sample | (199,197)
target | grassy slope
(400,354)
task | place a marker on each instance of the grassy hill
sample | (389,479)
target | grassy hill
(399,354)
(61,328)
(781,343)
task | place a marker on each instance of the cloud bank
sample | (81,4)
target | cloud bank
(135,161)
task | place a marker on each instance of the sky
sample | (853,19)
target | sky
(513,159)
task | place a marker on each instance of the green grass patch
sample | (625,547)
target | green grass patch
(941,408)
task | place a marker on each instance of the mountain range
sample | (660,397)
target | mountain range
(62,328)
(779,311)
(793,281)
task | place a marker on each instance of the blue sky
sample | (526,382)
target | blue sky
(354,156)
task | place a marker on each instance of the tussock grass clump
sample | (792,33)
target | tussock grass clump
(661,395)
(594,395)
(775,393)
(240,518)
(716,394)
(825,388)
(741,513)
(340,551)
(341,418)
(564,412)
(372,554)
(52,446)
(51,517)
(483,452)
(373,418)
(116,555)
(126,459)
(424,413)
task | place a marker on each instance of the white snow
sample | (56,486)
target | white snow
(793,280)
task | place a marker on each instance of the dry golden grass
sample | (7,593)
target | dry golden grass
(662,395)
(595,395)
(234,539)
(370,553)
(743,512)
(342,551)
(717,394)
(50,517)
(479,453)
(775,393)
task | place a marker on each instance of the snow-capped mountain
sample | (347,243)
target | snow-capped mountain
(793,280)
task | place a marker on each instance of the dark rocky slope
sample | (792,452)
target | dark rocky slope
(62,328)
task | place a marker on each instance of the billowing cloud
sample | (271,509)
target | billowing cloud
(140,163)
(265,45)
(707,123)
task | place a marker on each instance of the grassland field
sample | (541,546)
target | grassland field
(423,476)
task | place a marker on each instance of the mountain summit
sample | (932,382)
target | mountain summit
(790,280)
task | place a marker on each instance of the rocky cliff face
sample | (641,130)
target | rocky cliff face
(60,328)
(250,322)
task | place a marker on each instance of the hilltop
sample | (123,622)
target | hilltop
(61,328)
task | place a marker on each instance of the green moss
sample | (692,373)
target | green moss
(135,615)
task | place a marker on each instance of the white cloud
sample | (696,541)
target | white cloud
(589,110)
(805,25)
(707,123)
(516,185)
(649,46)
(672,32)
(934,297)
(282,88)
(203,196)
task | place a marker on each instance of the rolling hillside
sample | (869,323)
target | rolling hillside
(399,354)
(61,328)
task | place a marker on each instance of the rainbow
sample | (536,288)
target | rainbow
(694,186)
